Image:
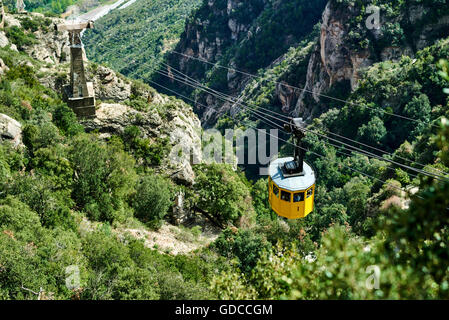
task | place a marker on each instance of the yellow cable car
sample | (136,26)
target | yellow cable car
(291,181)
(290,196)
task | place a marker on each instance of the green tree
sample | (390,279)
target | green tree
(65,119)
(45,197)
(33,257)
(245,245)
(223,192)
(104,177)
(259,193)
(153,198)
(418,108)
(356,192)
(373,132)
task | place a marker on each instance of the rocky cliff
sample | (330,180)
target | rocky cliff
(247,35)
(348,40)
(347,45)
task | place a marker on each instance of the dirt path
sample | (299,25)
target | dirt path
(168,239)
(171,239)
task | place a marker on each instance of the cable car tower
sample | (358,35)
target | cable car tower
(79,94)
(20,6)
(291,181)
(2,15)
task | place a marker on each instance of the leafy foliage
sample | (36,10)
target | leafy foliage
(68,198)
(153,198)
(222,192)
(104,177)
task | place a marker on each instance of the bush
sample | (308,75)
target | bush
(4,167)
(245,245)
(19,38)
(41,194)
(223,192)
(143,149)
(53,163)
(17,216)
(65,119)
(153,198)
(40,133)
(104,177)
(259,193)
(23,72)
(34,257)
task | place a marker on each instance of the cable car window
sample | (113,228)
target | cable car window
(309,192)
(298,197)
(275,190)
(286,196)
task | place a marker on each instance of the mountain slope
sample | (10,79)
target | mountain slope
(78,197)
(76,200)
(133,40)
(344,46)
(247,35)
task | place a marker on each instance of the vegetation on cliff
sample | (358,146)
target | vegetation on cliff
(133,40)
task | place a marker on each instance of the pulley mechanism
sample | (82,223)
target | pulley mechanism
(295,167)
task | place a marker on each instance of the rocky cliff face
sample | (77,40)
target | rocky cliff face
(10,130)
(177,123)
(207,36)
(216,27)
(337,58)
(246,35)
(345,46)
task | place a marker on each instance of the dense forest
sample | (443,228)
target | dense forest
(67,194)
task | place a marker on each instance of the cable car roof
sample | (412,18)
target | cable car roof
(297,183)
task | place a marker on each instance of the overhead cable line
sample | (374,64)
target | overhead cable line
(305,149)
(175,73)
(356,150)
(208,89)
(338,148)
(196,82)
(303,89)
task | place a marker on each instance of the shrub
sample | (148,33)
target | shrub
(4,167)
(259,193)
(143,149)
(41,194)
(104,177)
(65,119)
(23,72)
(19,38)
(152,200)
(245,245)
(40,133)
(222,192)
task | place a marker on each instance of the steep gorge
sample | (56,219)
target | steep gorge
(343,47)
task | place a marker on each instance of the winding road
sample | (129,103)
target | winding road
(101,11)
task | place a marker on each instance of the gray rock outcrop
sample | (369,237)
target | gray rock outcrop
(335,61)
(10,130)
(178,123)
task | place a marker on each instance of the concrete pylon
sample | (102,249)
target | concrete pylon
(2,15)
(79,94)
(20,6)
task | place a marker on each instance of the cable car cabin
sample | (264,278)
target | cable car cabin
(291,191)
